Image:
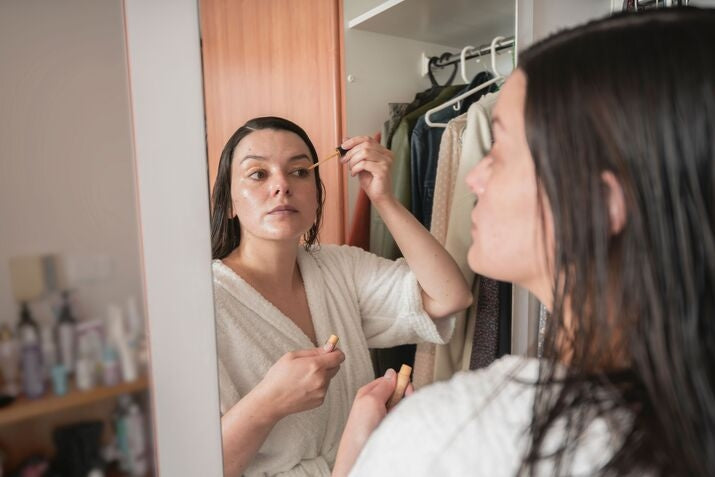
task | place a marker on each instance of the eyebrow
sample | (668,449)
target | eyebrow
(299,157)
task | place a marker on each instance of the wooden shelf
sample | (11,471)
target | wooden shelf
(24,408)
(453,23)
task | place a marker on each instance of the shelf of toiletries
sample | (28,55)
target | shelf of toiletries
(24,408)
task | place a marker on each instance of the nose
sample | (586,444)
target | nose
(478,177)
(280,186)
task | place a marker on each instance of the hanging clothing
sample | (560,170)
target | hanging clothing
(364,299)
(477,424)
(485,338)
(476,143)
(380,237)
(506,292)
(457,354)
(381,241)
(395,113)
(447,166)
(424,149)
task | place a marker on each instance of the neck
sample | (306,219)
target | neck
(542,290)
(266,262)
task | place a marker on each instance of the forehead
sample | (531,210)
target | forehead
(271,144)
(509,108)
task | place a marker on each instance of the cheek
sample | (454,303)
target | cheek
(310,197)
(246,199)
(504,235)
(244,191)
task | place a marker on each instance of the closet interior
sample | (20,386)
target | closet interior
(423,77)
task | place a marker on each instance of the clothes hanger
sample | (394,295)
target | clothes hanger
(493,52)
(433,80)
(458,99)
(463,62)
(463,71)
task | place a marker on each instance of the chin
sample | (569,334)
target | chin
(473,259)
(286,235)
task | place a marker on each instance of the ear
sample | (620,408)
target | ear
(616,203)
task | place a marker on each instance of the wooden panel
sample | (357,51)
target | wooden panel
(277,58)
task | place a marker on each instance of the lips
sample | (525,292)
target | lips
(283,209)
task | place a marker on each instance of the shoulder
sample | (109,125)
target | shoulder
(475,420)
(221,273)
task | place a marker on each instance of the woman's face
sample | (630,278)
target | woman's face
(507,235)
(273,194)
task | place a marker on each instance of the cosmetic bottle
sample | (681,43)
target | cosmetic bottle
(66,334)
(49,350)
(10,361)
(136,438)
(33,383)
(86,369)
(111,373)
(118,340)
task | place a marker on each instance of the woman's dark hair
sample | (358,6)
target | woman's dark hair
(225,229)
(633,95)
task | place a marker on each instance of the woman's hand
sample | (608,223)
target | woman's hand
(368,411)
(299,380)
(371,162)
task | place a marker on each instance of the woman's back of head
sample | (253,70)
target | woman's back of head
(632,95)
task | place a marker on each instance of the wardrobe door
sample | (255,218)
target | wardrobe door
(277,58)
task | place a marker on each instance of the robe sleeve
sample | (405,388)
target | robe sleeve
(227,392)
(390,302)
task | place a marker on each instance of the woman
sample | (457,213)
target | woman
(598,196)
(278,301)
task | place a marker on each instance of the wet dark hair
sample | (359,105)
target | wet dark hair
(226,230)
(633,94)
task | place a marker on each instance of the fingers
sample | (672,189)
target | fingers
(303,353)
(380,389)
(354,141)
(409,390)
(389,381)
(330,373)
(377,157)
(366,149)
(329,360)
(376,169)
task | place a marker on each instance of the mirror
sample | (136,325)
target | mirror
(334,69)
(75,380)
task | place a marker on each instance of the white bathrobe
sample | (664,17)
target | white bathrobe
(368,301)
(477,424)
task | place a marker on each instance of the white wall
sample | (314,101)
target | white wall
(66,177)
(537,19)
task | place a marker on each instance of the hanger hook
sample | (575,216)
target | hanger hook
(463,62)
(494,54)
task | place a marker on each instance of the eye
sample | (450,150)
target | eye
(257,175)
(302,172)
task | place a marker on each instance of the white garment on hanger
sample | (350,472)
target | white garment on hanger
(476,143)
(450,151)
